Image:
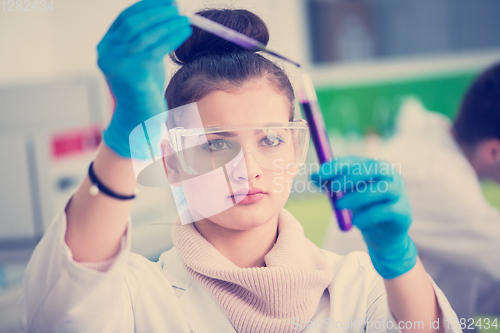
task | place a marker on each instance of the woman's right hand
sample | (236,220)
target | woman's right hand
(131,57)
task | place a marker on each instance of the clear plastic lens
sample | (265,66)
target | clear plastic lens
(274,148)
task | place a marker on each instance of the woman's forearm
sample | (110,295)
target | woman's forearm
(412,299)
(95,224)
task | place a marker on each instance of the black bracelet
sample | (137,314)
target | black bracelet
(98,186)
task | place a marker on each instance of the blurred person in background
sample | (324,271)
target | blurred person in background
(456,230)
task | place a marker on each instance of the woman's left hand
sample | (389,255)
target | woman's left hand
(376,195)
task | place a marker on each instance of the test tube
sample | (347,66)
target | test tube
(231,35)
(309,103)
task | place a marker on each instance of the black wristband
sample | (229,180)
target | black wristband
(98,186)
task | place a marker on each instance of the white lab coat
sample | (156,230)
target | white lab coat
(457,232)
(136,295)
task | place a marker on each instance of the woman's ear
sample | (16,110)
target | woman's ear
(495,152)
(171,163)
(491,151)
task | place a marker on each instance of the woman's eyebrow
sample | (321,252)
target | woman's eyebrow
(226,134)
(232,134)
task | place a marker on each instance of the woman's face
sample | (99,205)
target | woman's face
(212,196)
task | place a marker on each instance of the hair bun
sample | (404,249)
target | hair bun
(202,43)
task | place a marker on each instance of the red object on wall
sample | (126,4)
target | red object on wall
(76,142)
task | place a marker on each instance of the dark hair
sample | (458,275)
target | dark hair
(479,116)
(209,63)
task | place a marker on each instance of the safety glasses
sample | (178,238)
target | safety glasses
(273,146)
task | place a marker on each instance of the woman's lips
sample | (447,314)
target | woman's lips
(248,196)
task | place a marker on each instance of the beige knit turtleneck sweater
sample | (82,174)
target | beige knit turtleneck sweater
(260,299)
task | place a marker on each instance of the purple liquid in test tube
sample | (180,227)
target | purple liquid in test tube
(309,102)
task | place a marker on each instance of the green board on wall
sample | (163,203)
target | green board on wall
(370,107)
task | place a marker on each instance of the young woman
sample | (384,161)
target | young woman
(247,268)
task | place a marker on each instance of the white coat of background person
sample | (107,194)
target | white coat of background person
(457,232)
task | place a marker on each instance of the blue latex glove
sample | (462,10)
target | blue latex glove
(376,195)
(131,57)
